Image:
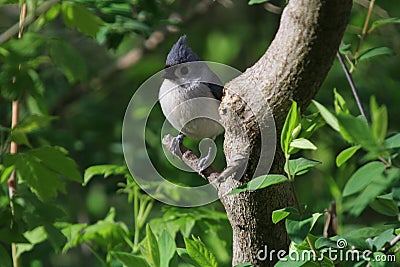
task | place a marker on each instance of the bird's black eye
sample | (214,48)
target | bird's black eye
(184,70)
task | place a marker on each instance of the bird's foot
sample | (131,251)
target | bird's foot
(175,146)
(205,161)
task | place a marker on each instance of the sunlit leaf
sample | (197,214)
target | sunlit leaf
(292,121)
(383,22)
(167,247)
(149,248)
(279,215)
(200,253)
(104,170)
(300,166)
(393,141)
(340,103)
(76,16)
(330,119)
(253,2)
(261,182)
(346,154)
(303,143)
(376,51)
(345,49)
(379,119)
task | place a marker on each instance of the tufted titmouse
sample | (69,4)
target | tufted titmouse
(190,96)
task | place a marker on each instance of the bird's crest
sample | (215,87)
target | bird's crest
(180,53)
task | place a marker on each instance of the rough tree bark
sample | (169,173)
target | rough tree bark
(293,67)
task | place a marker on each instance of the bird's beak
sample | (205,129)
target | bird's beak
(169,74)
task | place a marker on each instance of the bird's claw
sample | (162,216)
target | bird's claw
(175,146)
(205,161)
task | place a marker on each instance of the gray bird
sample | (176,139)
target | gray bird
(190,96)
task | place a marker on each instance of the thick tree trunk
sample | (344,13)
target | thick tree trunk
(294,67)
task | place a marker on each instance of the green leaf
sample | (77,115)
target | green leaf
(299,228)
(52,13)
(5,173)
(54,236)
(346,154)
(76,16)
(33,123)
(385,205)
(260,182)
(167,247)
(376,51)
(19,137)
(246,264)
(381,240)
(44,182)
(200,253)
(185,256)
(279,215)
(129,259)
(292,121)
(303,143)
(287,261)
(359,236)
(363,177)
(393,141)
(330,119)
(105,170)
(383,22)
(340,103)
(356,130)
(377,186)
(345,49)
(324,242)
(68,60)
(149,248)
(30,46)
(5,260)
(253,2)
(379,119)
(56,160)
(34,236)
(300,166)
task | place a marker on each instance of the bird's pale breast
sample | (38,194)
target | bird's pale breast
(193,112)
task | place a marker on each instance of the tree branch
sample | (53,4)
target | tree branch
(294,67)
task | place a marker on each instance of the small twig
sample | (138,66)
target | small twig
(297,202)
(191,160)
(392,243)
(352,85)
(13,30)
(365,27)
(12,181)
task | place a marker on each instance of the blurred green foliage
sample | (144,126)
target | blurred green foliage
(73,95)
